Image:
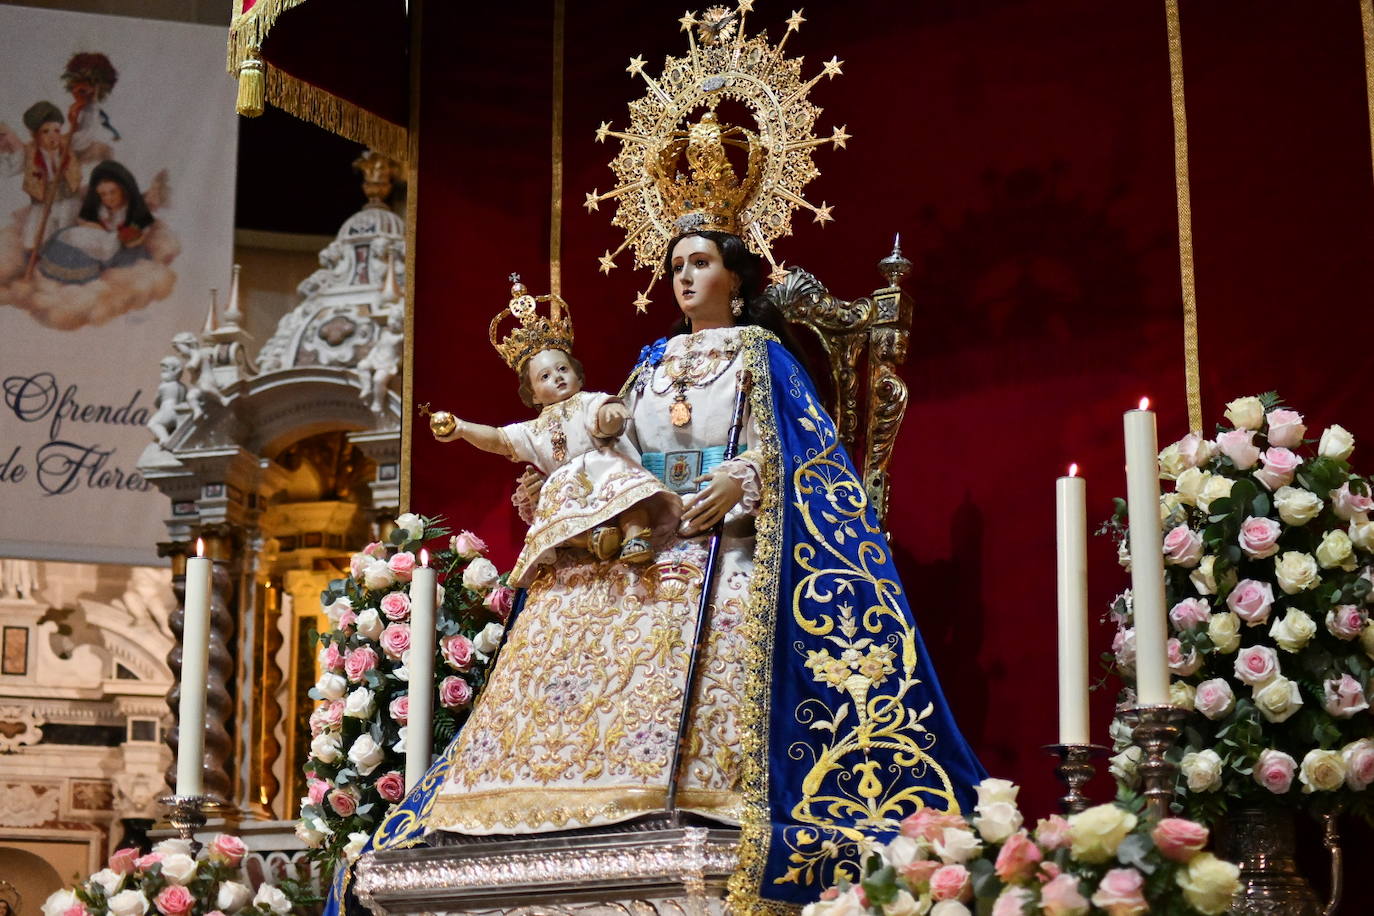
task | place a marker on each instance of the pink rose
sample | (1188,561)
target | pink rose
(1060,897)
(228,849)
(174,900)
(499,601)
(1048,872)
(1189,613)
(1180,662)
(1346,621)
(1123,647)
(1348,505)
(392,786)
(1359,764)
(148,861)
(331,658)
(1194,450)
(376,550)
(396,605)
(1239,446)
(403,565)
(1251,600)
(123,860)
(344,802)
(1013,901)
(358,662)
(1182,547)
(1215,698)
(929,824)
(1257,665)
(317,720)
(400,709)
(356,564)
(347,619)
(78,909)
(395,640)
(1259,537)
(918,872)
(333,714)
(1343,697)
(457,651)
(1274,770)
(1280,465)
(1017,859)
(1179,839)
(951,882)
(454,692)
(1285,428)
(1121,893)
(1053,832)
(316,790)
(467,545)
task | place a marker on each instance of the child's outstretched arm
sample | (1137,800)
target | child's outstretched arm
(487,438)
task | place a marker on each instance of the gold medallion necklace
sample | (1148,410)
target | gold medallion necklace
(693,369)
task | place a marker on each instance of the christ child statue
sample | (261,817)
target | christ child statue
(598,496)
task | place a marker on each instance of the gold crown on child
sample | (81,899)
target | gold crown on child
(534,332)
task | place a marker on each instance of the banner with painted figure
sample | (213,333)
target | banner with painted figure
(117,160)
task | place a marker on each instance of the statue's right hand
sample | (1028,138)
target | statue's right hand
(529,484)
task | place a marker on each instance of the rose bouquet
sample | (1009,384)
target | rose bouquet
(356,768)
(172,882)
(1108,859)
(1268,548)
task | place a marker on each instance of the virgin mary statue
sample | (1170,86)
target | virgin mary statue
(817,719)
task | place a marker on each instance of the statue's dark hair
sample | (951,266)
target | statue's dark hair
(758,310)
(527,390)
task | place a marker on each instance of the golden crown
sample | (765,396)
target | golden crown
(673,173)
(534,332)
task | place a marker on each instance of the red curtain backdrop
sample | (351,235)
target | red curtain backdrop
(1025,152)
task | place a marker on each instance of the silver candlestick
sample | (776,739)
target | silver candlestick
(187,814)
(1154,729)
(1075,770)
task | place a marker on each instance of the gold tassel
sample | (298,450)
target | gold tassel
(252,86)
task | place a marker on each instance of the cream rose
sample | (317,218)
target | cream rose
(1367,639)
(354,847)
(1294,631)
(1202,770)
(991,791)
(1183,695)
(366,754)
(1125,766)
(1322,771)
(272,899)
(370,624)
(1224,632)
(1095,833)
(481,575)
(325,747)
(179,868)
(127,903)
(1297,506)
(1245,413)
(1296,571)
(997,821)
(1216,488)
(361,704)
(233,897)
(412,525)
(1190,485)
(1208,883)
(1336,551)
(1170,506)
(1278,699)
(1203,578)
(1336,443)
(1171,463)
(1362,533)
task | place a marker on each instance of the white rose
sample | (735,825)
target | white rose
(956,846)
(233,896)
(1294,631)
(903,905)
(1224,632)
(377,575)
(1202,770)
(172,847)
(490,637)
(271,898)
(109,881)
(902,851)
(325,747)
(309,831)
(412,525)
(335,611)
(949,908)
(1362,534)
(1124,766)
(179,868)
(1190,484)
(1336,550)
(360,704)
(365,754)
(481,575)
(370,624)
(990,791)
(1297,506)
(354,848)
(1171,463)
(1203,578)
(60,901)
(997,821)
(1322,771)
(331,686)
(1170,504)
(1217,487)
(1278,699)
(127,903)
(1182,694)
(1245,413)
(1296,571)
(400,745)
(1336,443)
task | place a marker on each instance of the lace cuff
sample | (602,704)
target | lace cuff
(521,501)
(744,469)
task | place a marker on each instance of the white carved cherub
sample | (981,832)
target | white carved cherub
(171,401)
(381,363)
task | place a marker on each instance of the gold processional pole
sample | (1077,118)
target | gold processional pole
(1192,382)
(556,192)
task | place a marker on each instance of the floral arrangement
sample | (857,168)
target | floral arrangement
(1108,859)
(171,881)
(1268,546)
(356,768)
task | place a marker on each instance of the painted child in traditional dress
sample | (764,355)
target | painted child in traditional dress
(598,495)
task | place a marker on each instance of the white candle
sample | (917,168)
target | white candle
(195,662)
(1071,529)
(420,720)
(1147,557)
